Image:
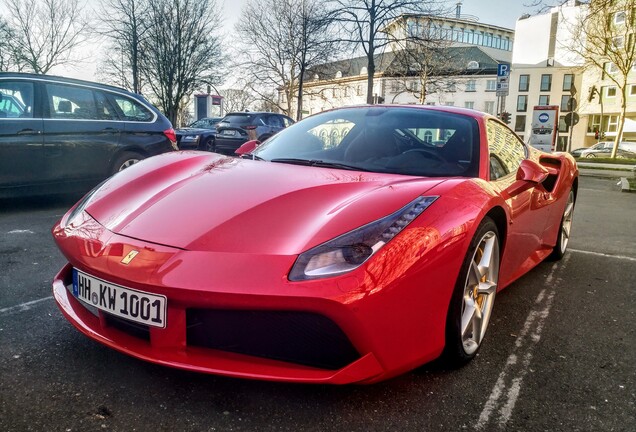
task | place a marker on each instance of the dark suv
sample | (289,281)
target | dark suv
(65,135)
(236,128)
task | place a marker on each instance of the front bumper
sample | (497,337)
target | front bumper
(169,347)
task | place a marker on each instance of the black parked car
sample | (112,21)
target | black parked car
(236,128)
(199,135)
(64,135)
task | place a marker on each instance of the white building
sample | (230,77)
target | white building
(544,68)
(465,74)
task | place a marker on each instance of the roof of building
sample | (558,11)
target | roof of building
(454,60)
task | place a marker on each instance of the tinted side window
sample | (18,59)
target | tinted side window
(105,110)
(131,110)
(71,102)
(505,148)
(16,99)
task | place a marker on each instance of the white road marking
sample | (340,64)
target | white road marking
(18,231)
(23,307)
(621,257)
(505,393)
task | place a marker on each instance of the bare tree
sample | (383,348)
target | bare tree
(237,99)
(181,51)
(606,44)
(424,58)
(47,33)
(282,39)
(125,26)
(7,51)
(365,22)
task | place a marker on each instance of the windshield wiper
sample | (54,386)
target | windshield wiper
(318,163)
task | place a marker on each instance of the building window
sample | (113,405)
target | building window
(544,100)
(609,68)
(565,99)
(610,91)
(489,107)
(359,90)
(568,82)
(524,82)
(522,103)
(520,123)
(546,82)
(451,103)
(491,85)
(619,17)
(562,126)
(618,42)
(470,85)
(632,90)
(452,87)
(395,86)
(469,105)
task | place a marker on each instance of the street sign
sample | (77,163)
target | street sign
(503,79)
(503,70)
(571,119)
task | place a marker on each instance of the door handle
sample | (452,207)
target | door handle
(29,132)
(110,130)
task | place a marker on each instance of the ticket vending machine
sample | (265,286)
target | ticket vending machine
(545,125)
(208,105)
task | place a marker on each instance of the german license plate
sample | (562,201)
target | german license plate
(131,304)
(229,132)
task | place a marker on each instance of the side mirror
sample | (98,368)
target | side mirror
(532,172)
(529,174)
(247,147)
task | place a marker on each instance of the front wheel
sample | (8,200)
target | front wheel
(474,296)
(563,237)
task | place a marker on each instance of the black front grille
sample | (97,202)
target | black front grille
(297,337)
(129,327)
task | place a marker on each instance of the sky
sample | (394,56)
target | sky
(503,13)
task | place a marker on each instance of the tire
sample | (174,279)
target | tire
(474,296)
(565,229)
(207,145)
(126,160)
(590,155)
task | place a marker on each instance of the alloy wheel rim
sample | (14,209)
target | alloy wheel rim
(479,292)
(566,224)
(128,163)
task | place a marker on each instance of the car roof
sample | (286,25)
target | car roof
(438,108)
(42,77)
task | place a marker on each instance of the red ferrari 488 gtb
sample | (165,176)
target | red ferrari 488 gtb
(353,246)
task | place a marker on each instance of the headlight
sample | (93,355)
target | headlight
(348,251)
(81,205)
(193,137)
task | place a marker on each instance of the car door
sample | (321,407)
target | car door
(22,162)
(81,132)
(528,209)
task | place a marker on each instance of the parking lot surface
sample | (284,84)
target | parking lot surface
(559,355)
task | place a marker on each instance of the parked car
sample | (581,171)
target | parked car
(236,128)
(603,149)
(336,260)
(199,135)
(61,135)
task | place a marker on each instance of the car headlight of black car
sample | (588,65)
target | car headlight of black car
(350,250)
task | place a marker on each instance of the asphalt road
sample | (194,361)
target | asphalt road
(560,354)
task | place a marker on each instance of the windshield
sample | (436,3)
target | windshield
(394,140)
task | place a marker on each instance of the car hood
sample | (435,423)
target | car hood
(207,202)
(189,131)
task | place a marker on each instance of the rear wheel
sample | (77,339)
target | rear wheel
(563,237)
(126,160)
(474,296)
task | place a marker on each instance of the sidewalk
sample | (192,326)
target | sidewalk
(592,169)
